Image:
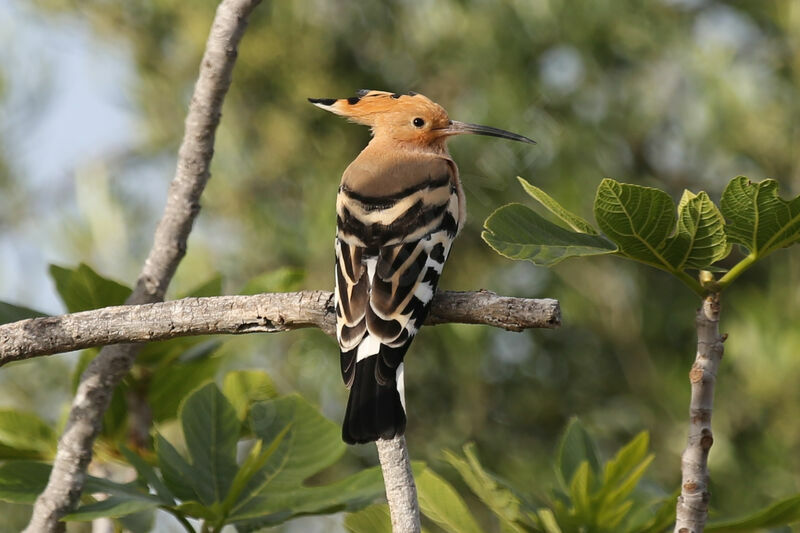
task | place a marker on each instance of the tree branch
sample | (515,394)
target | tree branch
(401,492)
(264,313)
(692,507)
(169,246)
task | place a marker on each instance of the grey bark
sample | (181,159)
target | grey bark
(264,313)
(692,506)
(401,492)
(183,203)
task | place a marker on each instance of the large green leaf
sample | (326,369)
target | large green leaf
(245,387)
(148,475)
(571,219)
(113,507)
(82,288)
(699,239)
(517,232)
(440,502)
(211,431)
(27,432)
(782,513)
(22,481)
(575,447)
(311,444)
(373,519)
(178,474)
(170,385)
(502,501)
(12,313)
(639,219)
(758,218)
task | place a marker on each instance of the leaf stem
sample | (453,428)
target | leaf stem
(690,282)
(737,270)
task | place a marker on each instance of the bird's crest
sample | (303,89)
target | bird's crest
(368,106)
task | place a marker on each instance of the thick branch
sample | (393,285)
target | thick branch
(245,314)
(169,246)
(692,507)
(401,492)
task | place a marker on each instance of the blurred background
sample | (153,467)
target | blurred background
(669,93)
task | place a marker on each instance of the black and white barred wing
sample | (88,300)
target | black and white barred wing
(383,299)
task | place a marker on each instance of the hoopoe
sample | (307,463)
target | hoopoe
(399,207)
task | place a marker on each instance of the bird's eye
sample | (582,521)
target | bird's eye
(418,122)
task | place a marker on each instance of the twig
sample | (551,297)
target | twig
(192,172)
(268,313)
(692,507)
(401,492)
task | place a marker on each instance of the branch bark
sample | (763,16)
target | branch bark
(183,203)
(264,313)
(692,507)
(401,492)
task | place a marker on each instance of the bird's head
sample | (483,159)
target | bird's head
(407,118)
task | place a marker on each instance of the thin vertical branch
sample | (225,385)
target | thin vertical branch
(401,492)
(183,204)
(692,507)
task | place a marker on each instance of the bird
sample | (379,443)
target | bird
(399,207)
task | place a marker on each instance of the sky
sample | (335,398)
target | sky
(66,107)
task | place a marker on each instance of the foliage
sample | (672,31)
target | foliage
(589,496)
(291,443)
(639,223)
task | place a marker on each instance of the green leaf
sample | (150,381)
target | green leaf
(626,459)
(211,431)
(440,502)
(782,513)
(499,499)
(639,219)
(349,494)
(20,430)
(579,489)
(373,519)
(22,481)
(148,474)
(517,232)
(112,507)
(571,219)
(252,474)
(657,518)
(172,383)
(245,387)
(758,218)
(575,447)
(548,521)
(699,239)
(82,288)
(276,493)
(177,472)
(281,280)
(315,440)
(11,313)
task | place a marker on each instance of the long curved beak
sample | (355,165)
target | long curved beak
(459,128)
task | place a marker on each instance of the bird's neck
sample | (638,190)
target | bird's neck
(390,144)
